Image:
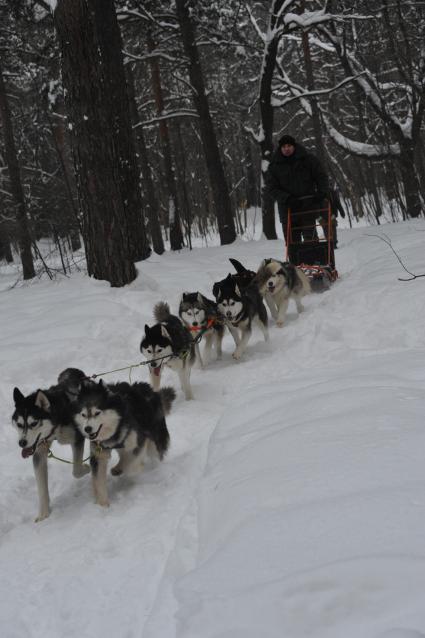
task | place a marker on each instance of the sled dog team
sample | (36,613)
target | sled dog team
(130,418)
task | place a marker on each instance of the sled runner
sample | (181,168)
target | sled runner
(305,249)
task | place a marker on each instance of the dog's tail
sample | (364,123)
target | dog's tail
(167,395)
(71,380)
(241,270)
(161,312)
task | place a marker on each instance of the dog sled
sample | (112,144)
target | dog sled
(305,249)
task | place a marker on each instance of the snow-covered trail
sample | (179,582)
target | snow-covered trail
(124,571)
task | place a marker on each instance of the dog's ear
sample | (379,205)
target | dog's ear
(185,296)
(42,402)
(216,290)
(237,291)
(147,329)
(200,298)
(18,397)
(165,333)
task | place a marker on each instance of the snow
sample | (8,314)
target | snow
(291,503)
(52,4)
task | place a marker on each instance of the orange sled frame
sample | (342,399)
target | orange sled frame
(316,256)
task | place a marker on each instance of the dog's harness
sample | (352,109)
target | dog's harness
(211,321)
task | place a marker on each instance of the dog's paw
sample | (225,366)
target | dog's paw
(116,471)
(189,396)
(280,323)
(236,355)
(42,516)
(103,502)
(81,470)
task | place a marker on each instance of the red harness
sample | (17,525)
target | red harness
(210,322)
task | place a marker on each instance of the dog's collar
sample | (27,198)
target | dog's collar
(237,318)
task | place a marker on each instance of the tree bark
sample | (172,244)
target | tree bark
(267,118)
(219,187)
(16,184)
(176,235)
(150,200)
(101,135)
(410,180)
(5,249)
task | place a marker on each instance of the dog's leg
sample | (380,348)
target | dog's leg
(198,356)
(155,379)
(126,462)
(79,468)
(271,304)
(283,307)
(184,376)
(234,332)
(99,466)
(219,343)
(264,328)
(300,307)
(209,336)
(40,470)
(246,334)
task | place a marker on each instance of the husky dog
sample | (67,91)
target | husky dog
(43,417)
(123,417)
(239,309)
(279,282)
(168,343)
(200,316)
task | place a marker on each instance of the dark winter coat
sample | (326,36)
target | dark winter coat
(299,175)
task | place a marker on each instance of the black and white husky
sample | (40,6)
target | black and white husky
(239,308)
(168,343)
(279,282)
(200,315)
(45,416)
(127,418)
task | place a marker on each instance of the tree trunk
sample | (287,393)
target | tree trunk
(5,249)
(410,181)
(104,157)
(219,187)
(150,200)
(176,235)
(315,114)
(267,119)
(16,184)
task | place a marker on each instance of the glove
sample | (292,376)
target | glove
(292,202)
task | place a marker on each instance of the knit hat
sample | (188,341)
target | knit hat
(286,139)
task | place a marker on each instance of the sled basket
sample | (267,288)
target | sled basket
(314,256)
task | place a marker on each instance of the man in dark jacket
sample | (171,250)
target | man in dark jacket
(297,181)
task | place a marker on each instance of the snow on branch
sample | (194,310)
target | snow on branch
(168,116)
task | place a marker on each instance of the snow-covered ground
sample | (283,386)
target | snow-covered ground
(292,501)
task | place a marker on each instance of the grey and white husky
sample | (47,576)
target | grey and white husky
(200,315)
(239,309)
(45,416)
(279,282)
(127,418)
(168,343)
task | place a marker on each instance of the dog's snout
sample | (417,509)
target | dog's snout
(194,324)
(228,313)
(23,443)
(88,429)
